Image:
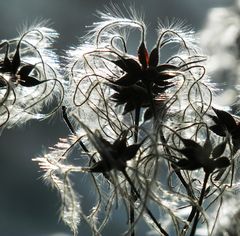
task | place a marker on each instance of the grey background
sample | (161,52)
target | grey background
(27,206)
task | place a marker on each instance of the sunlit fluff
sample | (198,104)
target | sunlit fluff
(29,76)
(229,216)
(148,134)
(95,72)
(220,38)
(106,95)
(56,170)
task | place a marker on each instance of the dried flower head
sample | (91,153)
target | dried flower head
(29,76)
(106,79)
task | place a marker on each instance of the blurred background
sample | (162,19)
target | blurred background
(27,206)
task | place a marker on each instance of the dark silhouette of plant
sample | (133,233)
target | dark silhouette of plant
(149,134)
(28,70)
(225,125)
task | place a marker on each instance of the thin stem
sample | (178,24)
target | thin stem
(196,219)
(175,168)
(131,215)
(136,121)
(151,99)
(65,118)
(131,206)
